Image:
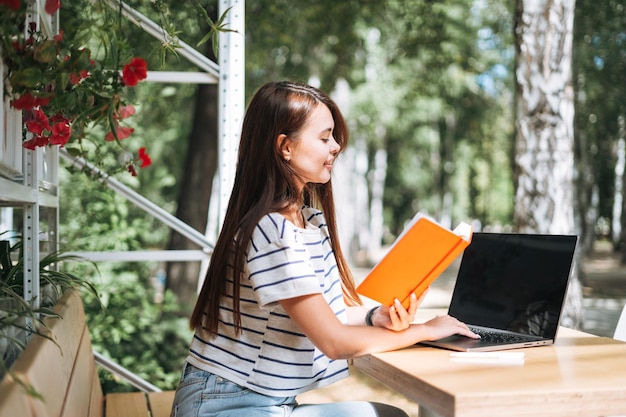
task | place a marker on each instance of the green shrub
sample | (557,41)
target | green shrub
(145,336)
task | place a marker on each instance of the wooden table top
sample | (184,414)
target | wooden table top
(580,375)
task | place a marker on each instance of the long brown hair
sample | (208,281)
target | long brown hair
(264,183)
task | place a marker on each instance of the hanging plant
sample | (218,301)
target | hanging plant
(62,91)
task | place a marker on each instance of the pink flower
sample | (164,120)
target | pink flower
(121,133)
(39,123)
(125,112)
(145,159)
(135,71)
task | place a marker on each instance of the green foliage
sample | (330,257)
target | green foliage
(147,337)
(436,82)
(599,64)
(429,81)
(144,336)
(302,40)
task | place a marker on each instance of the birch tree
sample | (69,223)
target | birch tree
(544,149)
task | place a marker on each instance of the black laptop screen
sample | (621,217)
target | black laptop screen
(514,282)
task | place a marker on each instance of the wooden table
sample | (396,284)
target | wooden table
(580,375)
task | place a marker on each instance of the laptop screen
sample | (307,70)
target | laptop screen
(514,282)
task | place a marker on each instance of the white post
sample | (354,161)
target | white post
(231,60)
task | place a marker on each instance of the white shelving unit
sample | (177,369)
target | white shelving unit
(28,179)
(29,186)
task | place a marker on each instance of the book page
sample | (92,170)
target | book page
(464,230)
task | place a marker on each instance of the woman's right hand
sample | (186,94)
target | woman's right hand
(396,317)
(444,326)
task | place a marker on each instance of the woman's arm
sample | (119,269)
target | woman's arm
(339,341)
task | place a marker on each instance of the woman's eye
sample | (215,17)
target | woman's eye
(325,139)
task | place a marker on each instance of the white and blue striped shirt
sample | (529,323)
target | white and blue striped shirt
(272,355)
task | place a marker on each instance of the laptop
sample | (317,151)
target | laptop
(510,289)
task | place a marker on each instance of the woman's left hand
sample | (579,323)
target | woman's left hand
(396,317)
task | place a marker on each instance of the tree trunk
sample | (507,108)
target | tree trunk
(586,184)
(616,227)
(544,152)
(447,133)
(195,191)
(377,188)
(619,171)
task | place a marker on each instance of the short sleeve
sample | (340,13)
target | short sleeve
(279,264)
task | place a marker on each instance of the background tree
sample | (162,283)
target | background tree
(600,75)
(544,149)
(408,66)
(195,187)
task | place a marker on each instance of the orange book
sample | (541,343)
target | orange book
(417,257)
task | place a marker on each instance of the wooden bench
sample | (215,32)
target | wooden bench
(65,375)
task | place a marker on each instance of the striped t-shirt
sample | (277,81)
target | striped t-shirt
(271,355)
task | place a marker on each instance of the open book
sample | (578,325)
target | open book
(417,257)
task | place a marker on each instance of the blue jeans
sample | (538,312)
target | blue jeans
(202,394)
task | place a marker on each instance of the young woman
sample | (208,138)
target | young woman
(278,313)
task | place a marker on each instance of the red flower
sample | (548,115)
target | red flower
(121,132)
(13,4)
(36,141)
(144,158)
(52,6)
(58,37)
(77,77)
(17,46)
(132,170)
(28,101)
(61,131)
(135,71)
(39,123)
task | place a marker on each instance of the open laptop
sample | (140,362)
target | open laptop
(512,286)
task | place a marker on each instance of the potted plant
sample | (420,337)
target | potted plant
(19,320)
(53,281)
(63,91)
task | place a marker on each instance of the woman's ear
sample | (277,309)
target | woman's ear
(285,146)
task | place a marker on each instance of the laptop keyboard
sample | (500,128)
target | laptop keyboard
(497,337)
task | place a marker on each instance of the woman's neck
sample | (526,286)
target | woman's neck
(293,213)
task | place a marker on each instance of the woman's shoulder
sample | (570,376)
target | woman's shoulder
(274,226)
(273,229)
(271,223)
(314,216)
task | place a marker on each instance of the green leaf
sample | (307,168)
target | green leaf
(29,77)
